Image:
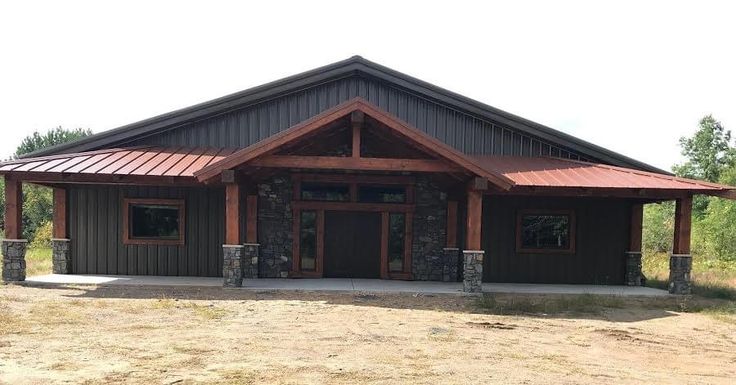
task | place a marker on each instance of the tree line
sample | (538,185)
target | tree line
(710,156)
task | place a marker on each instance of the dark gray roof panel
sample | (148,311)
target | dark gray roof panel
(251,115)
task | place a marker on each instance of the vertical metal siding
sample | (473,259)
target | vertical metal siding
(96,233)
(467,133)
(601,240)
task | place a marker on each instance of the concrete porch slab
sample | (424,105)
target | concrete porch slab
(341,285)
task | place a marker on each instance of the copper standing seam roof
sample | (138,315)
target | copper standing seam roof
(567,173)
(521,171)
(142,161)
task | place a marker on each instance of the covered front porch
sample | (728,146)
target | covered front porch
(352,193)
(348,285)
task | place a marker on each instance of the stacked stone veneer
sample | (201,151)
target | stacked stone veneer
(275,227)
(472,271)
(232,270)
(61,256)
(633,269)
(250,260)
(680,267)
(14,260)
(429,260)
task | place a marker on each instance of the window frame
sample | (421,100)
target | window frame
(572,236)
(178,203)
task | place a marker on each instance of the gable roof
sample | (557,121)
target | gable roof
(427,143)
(349,67)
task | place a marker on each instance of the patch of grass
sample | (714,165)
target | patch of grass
(584,303)
(710,278)
(208,312)
(724,312)
(38,261)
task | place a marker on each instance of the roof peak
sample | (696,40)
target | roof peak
(346,67)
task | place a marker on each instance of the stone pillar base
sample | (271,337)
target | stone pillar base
(250,260)
(232,270)
(451,257)
(680,267)
(473,271)
(61,256)
(633,269)
(14,260)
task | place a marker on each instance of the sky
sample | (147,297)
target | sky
(631,76)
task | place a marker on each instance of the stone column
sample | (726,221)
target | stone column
(232,269)
(472,271)
(250,260)
(14,260)
(680,266)
(451,256)
(633,269)
(61,256)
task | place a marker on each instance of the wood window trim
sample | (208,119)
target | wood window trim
(127,240)
(572,233)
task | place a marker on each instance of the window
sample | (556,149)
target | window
(396,234)
(308,240)
(381,194)
(153,221)
(325,192)
(540,231)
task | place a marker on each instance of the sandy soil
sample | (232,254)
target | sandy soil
(187,336)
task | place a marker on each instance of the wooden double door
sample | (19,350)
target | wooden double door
(352,244)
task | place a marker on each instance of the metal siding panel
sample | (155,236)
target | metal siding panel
(250,124)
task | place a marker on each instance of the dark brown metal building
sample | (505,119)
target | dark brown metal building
(349,170)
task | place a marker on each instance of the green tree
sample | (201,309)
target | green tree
(58,135)
(709,154)
(38,200)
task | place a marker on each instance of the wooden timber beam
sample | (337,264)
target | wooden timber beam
(356,118)
(60,213)
(645,194)
(251,227)
(133,180)
(683,222)
(350,163)
(13,208)
(232,214)
(451,224)
(635,236)
(473,220)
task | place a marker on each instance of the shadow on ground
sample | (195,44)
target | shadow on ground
(584,306)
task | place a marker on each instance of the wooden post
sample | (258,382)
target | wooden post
(635,236)
(59,215)
(683,221)
(356,118)
(13,208)
(232,214)
(251,227)
(473,222)
(451,224)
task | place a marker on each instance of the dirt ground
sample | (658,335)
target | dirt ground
(189,336)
